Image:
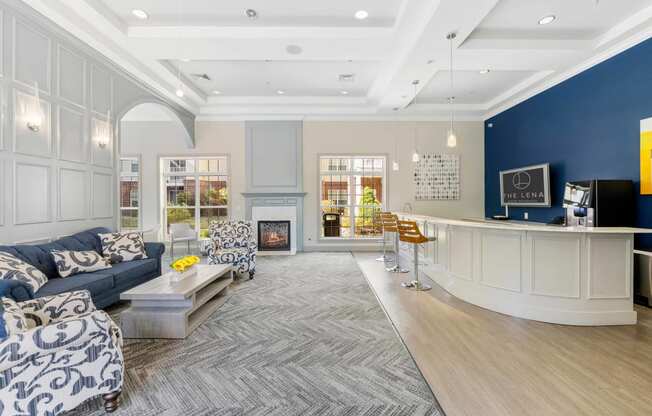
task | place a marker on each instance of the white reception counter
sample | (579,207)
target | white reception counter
(563,275)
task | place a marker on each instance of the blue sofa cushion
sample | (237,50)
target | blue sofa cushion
(16,290)
(97,283)
(131,271)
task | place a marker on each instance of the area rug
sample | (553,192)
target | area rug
(305,337)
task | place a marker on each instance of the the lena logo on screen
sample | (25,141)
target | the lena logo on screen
(527,186)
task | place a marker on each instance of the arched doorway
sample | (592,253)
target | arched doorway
(145,133)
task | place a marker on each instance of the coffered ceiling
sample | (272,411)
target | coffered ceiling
(308,58)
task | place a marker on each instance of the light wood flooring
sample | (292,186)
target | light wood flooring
(482,363)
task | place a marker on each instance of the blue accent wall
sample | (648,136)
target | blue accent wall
(587,127)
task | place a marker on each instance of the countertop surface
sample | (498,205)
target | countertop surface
(523,225)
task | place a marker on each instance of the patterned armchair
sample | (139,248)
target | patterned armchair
(233,243)
(63,354)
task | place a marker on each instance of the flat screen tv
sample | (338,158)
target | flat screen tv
(528,186)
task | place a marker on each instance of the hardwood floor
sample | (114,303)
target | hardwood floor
(482,363)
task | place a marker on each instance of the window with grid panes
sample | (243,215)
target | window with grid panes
(352,190)
(196,191)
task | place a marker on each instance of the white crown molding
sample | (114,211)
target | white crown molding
(511,100)
(101,34)
(338,117)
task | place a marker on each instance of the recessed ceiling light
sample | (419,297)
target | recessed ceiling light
(179,92)
(485,71)
(361,14)
(280,92)
(185,60)
(293,49)
(344,92)
(251,13)
(217,92)
(141,14)
(548,19)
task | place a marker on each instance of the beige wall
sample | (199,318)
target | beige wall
(380,138)
(153,139)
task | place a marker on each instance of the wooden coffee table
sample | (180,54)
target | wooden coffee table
(163,308)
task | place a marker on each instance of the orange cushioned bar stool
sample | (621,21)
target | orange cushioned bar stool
(378,222)
(409,233)
(390,225)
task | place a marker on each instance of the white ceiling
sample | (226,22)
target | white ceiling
(248,61)
(576,19)
(295,78)
(270,13)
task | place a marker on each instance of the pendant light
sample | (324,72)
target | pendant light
(415,155)
(451,137)
(395,165)
(179,92)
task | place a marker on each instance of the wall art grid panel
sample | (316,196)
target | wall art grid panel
(437,177)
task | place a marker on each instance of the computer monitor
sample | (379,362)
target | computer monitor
(525,187)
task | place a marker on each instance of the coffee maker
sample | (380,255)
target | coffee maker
(599,203)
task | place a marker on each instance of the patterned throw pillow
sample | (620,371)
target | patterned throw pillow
(119,247)
(12,318)
(14,268)
(75,262)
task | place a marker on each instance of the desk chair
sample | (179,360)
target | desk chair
(409,233)
(390,225)
(378,219)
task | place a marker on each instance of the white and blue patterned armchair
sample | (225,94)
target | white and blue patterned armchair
(233,243)
(63,353)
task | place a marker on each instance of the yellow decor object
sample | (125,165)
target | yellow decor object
(184,263)
(646,156)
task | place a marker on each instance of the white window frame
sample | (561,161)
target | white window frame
(351,204)
(139,178)
(195,174)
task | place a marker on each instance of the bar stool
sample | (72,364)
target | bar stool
(378,219)
(390,225)
(409,233)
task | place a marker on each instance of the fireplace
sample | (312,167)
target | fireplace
(274,236)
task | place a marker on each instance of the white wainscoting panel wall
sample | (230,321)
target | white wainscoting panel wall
(602,281)
(33,187)
(55,181)
(501,265)
(72,194)
(556,255)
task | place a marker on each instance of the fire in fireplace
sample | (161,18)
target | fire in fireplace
(274,235)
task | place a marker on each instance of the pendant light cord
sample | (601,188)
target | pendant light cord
(452,97)
(415,83)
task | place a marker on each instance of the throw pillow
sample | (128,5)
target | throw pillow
(119,247)
(12,318)
(75,262)
(12,267)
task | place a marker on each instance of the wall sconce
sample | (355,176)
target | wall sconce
(32,111)
(102,133)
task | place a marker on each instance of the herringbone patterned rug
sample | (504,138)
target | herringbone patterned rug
(306,337)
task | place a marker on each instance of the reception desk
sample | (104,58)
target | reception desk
(562,275)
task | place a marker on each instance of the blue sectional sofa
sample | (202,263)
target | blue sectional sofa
(105,286)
